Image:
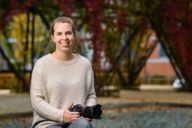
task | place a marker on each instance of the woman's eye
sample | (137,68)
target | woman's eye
(68,33)
(59,33)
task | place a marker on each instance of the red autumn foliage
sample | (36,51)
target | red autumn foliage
(94,13)
(177,19)
(13,7)
(121,20)
(66,6)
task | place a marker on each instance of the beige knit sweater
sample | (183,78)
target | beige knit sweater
(56,83)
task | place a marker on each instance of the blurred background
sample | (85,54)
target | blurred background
(132,44)
(129,42)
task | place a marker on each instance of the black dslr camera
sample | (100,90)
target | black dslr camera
(94,111)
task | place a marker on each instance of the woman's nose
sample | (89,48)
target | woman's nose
(64,37)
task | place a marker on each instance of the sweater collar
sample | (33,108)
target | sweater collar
(61,62)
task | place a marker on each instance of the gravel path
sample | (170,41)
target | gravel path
(142,118)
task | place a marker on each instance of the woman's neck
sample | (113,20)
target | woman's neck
(63,56)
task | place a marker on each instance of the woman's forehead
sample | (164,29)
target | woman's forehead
(62,26)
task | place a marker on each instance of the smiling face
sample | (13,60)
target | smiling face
(63,36)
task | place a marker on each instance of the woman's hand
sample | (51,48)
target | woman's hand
(70,116)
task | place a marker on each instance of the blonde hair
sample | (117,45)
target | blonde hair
(63,19)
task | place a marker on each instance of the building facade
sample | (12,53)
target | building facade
(158,69)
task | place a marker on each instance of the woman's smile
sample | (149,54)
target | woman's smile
(65,44)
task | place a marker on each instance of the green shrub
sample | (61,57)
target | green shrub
(157,79)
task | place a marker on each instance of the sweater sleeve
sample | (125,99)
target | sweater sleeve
(91,98)
(39,99)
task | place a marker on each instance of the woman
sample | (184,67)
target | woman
(60,80)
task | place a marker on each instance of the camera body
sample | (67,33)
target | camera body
(93,112)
